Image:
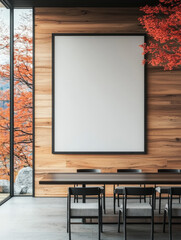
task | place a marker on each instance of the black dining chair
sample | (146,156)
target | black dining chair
(172,210)
(119,189)
(102,187)
(134,210)
(84,210)
(164,189)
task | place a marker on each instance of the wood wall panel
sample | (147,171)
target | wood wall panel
(163,98)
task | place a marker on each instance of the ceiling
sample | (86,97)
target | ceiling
(80,3)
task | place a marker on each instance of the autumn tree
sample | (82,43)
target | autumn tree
(163,25)
(22,99)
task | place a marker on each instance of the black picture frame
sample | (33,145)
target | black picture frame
(53,97)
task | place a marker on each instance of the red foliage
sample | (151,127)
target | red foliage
(22,103)
(163,25)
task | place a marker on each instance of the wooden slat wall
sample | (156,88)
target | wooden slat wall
(164,98)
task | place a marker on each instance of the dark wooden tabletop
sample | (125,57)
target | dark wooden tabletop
(111,178)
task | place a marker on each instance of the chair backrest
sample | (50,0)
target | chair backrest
(129,170)
(88,170)
(138,191)
(87,191)
(175,190)
(168,170)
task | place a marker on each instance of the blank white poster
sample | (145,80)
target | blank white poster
(98,94)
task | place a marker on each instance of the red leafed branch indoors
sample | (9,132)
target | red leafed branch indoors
(163,25)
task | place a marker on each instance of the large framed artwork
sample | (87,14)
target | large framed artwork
(98,94)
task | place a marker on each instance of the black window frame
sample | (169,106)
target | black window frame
(9,6)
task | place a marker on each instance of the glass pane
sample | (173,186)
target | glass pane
(23,84)
(4,102)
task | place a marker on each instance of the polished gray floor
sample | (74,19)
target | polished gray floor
(25,218)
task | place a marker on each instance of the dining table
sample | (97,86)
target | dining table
(111,178)
(124,179)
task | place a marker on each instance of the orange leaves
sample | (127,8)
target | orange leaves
(163,25)
(23,83)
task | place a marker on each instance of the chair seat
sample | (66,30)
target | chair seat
(138,209)
(84,209)
(163,189)
(176,209)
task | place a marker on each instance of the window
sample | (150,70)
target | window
(23,103)
(22,100)
(4,103)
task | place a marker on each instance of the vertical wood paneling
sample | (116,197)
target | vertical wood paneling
(164,98)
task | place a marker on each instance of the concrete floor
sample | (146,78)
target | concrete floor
(26,218)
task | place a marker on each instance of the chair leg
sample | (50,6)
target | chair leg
(154,202)
(69,227)
(114,203)
(67,216)
(118,201)
(104,201)
(74,195)
(124,226)
(155,198)
(67,223)
(140,195)
(164,220)
(160,197)
(101,220)
(152,228)
(119,221)
(99,227)
(144,195)
(170,225)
